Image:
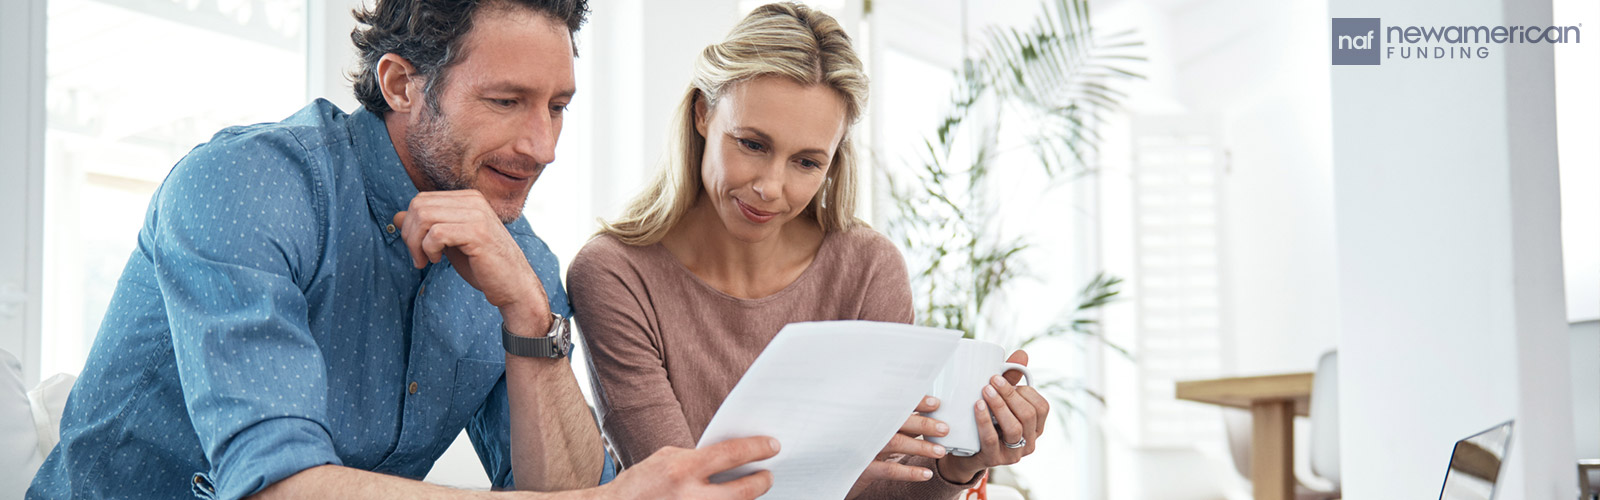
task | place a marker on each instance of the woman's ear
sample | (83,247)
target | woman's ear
(701,113)
(396,82)
(820,200)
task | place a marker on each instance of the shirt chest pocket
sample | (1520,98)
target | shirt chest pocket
(430,429)
(473,381)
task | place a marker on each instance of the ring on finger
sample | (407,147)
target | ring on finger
(1021,442)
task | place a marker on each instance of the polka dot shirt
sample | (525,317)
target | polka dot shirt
(270,321)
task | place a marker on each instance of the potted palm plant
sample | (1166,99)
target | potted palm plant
(1052,82)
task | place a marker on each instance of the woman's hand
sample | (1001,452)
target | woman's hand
(883,467)
(1019,414)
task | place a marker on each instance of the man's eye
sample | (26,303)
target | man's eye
(557,109)
(752,145)
(504,103)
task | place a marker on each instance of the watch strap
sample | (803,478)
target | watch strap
(555,344)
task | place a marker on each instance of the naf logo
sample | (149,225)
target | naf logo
(1357,40)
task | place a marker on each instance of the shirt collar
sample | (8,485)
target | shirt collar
(389,189)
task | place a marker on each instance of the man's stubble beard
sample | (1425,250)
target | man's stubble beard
(437,153)
(440,156)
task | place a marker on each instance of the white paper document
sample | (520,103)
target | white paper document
(833,393)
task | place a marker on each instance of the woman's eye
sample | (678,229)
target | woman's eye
(752,145)
(810,164)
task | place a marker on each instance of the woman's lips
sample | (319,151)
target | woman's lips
(754,215)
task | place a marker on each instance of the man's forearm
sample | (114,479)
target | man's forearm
(555,444)
(333,481)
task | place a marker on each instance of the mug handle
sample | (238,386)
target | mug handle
(1026,375)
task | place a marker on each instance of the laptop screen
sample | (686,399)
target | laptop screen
(1475,464)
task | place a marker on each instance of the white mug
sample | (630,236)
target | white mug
(960,386)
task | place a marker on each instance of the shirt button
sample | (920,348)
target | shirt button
(389,228)
(413,388)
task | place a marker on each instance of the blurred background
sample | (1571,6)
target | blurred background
(1165,176)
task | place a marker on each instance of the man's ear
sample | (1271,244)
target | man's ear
(701,113)
(398,82)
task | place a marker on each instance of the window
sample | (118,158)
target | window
(131,86)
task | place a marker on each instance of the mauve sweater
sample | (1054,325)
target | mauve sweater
(667,348)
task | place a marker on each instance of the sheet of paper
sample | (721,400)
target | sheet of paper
(833,393)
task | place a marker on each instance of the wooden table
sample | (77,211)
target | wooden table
(1273,401)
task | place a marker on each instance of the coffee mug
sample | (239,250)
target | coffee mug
(960,386)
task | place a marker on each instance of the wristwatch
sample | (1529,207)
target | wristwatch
(556,344)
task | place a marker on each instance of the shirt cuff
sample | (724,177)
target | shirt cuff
(971,483)
(268,452)
(609,470)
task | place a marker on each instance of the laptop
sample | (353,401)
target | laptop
(1476,464)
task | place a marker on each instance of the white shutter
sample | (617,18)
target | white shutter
(1176,203)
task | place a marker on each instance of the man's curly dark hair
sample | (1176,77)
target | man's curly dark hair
(429,34)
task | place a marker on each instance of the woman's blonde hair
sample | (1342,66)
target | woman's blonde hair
(779,39)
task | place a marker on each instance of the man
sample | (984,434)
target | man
(317,307)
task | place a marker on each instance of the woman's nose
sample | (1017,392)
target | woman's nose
(769,183)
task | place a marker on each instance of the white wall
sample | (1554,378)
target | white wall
(643,52)
(1263,80)
(1449,265)
(1578,124)
(330,55)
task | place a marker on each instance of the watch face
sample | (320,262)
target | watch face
(561,331)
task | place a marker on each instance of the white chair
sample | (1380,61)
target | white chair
(29,424)
(19,440)
(1585,357)
(1324,445)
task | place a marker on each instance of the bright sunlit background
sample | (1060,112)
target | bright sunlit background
(1214,197)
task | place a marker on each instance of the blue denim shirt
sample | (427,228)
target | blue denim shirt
(270,321)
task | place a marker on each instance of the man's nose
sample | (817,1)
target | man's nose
(538,138)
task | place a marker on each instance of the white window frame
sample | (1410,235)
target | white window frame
(22,71)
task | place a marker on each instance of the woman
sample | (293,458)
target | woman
(750,227)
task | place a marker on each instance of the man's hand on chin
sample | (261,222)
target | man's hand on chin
(462,227)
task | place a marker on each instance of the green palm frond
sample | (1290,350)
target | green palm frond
(1058,72)
(1060,77)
